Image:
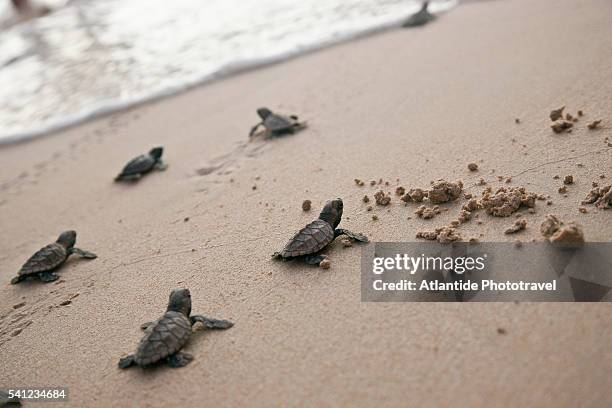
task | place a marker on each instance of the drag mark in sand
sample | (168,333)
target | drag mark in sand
(186,251)
(29,309)
(530,169)
(228,163)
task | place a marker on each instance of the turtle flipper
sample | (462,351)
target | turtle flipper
(126,362)
(298,126)
(17,279)
(178,360)
(146,325)
(351,235)
(254,129)
(314,259)
(48,276)
(277,256)
(211,323)
(128,177)
(83,254)
(161,165)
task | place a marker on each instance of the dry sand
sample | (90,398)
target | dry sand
(411,104)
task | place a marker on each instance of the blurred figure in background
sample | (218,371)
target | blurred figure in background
(26,10)
(421,18)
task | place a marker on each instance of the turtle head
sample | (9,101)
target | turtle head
(67,239)
(264,113)
(157,152)
(332,212)
(180,301)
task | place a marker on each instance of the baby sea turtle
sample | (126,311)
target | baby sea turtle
(46,260)
(311,239)
(165,337)
(276,124)
(420,18)
(141,165)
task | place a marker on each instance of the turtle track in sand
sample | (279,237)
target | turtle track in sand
(39,301)
(228,163)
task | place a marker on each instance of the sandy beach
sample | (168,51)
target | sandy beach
(408,105)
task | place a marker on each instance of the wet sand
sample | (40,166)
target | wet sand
(416,105)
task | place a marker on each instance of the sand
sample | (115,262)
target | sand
(410,104)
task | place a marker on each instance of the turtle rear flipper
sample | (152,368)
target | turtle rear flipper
(83,253)
(17,279)
(178,360)
(128,177)
(146,325)
(352,235)
(126,362)
(211,323)
(48,277)
(314,259)
(7,401)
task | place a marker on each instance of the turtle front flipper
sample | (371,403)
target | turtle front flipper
(48,277)
(298,126)
(254,129)
(126,362)
(178,360)
(83,254)
(161,165)
(351,235)
(211,323)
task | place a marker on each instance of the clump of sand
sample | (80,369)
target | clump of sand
(464,216)
(415,195)
(471,205)
(594,124)
(325,264)
(556,231)
(382,198)
(442,191)
(600,196)
(506,201)
(466,211)
(556,114)
(443,235)
(427,212)
(518,225)
(562,126)
(306,205)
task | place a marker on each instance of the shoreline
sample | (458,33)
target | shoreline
(405,107)
(224,73)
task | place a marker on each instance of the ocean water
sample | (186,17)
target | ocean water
(90,57)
